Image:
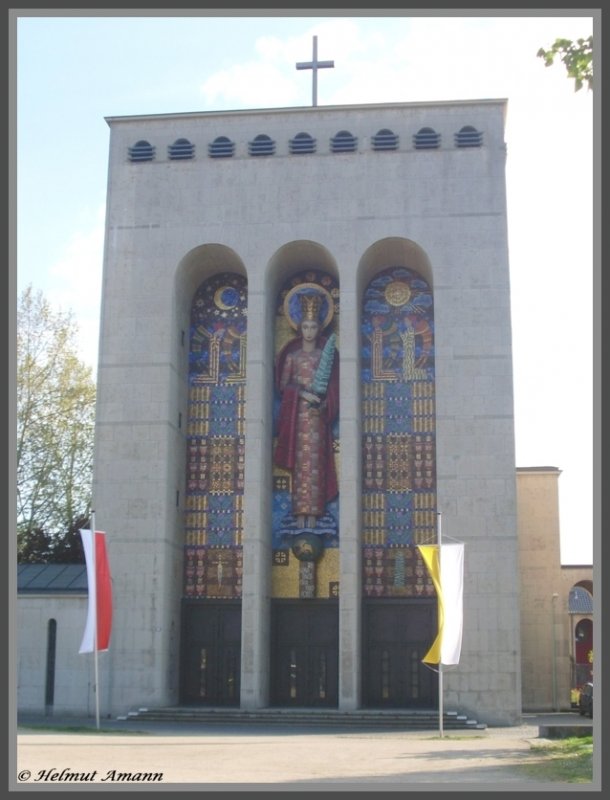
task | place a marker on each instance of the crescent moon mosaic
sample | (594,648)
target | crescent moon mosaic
(226,298)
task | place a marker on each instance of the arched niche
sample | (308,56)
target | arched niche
(295,257)
(299,269)
(398,420)
(393,251)
(202,262)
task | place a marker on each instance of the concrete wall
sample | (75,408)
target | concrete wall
(172,223)
(546,625)
(74,684)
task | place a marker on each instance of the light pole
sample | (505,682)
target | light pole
(554,662)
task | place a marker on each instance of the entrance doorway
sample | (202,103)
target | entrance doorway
(304,653)
(211,653)
(396,636)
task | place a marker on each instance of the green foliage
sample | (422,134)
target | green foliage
(40,547)
(68,548)
(79,729)
(567,760)
(576,56)
(34,546)
(55,426)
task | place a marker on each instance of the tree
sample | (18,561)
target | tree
(55,427)
(577,57)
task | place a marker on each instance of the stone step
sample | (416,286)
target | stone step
(406,720)
(561,731)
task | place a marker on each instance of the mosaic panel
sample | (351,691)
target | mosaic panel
(398,433)
(213,572)
(395,572)
(216,438)
(309,452)
(287,574)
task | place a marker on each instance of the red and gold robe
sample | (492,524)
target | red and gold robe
(305,445)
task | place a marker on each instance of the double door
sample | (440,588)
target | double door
(211,654)
(396,636)
(304,653)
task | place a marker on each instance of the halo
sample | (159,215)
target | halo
(292,307)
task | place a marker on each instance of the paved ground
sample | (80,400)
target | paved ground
(274,758)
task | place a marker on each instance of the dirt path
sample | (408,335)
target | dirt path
(304,760)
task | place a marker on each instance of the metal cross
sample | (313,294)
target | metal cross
(315,65)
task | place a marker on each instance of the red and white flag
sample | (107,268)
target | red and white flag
(99,610)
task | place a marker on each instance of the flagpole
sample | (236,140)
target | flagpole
(95,667)
(440,663)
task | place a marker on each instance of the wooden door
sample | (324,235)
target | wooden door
(396,636)
(211,654)
(305,654)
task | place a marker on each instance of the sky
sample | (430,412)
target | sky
(73,70)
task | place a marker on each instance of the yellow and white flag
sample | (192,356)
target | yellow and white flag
(447,571)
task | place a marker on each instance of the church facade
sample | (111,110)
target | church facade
(305,372)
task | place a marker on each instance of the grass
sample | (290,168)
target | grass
(565,760)
(75,729)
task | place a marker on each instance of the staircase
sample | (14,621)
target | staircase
(407,720)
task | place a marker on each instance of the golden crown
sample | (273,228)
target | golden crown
(310,306)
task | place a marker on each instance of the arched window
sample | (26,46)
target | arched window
(583,651)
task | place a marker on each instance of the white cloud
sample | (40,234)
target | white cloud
(273,79)
(76,287)
(253,84)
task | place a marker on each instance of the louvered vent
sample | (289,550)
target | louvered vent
(385,140)
(343,142)
(141,151)
(468,137)
(302,143)
(426,139)
(181,149)
(221,147)
(261,145)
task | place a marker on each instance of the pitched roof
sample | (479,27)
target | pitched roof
(52,578)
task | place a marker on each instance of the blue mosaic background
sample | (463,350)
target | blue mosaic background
(216,438)
(398,431)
